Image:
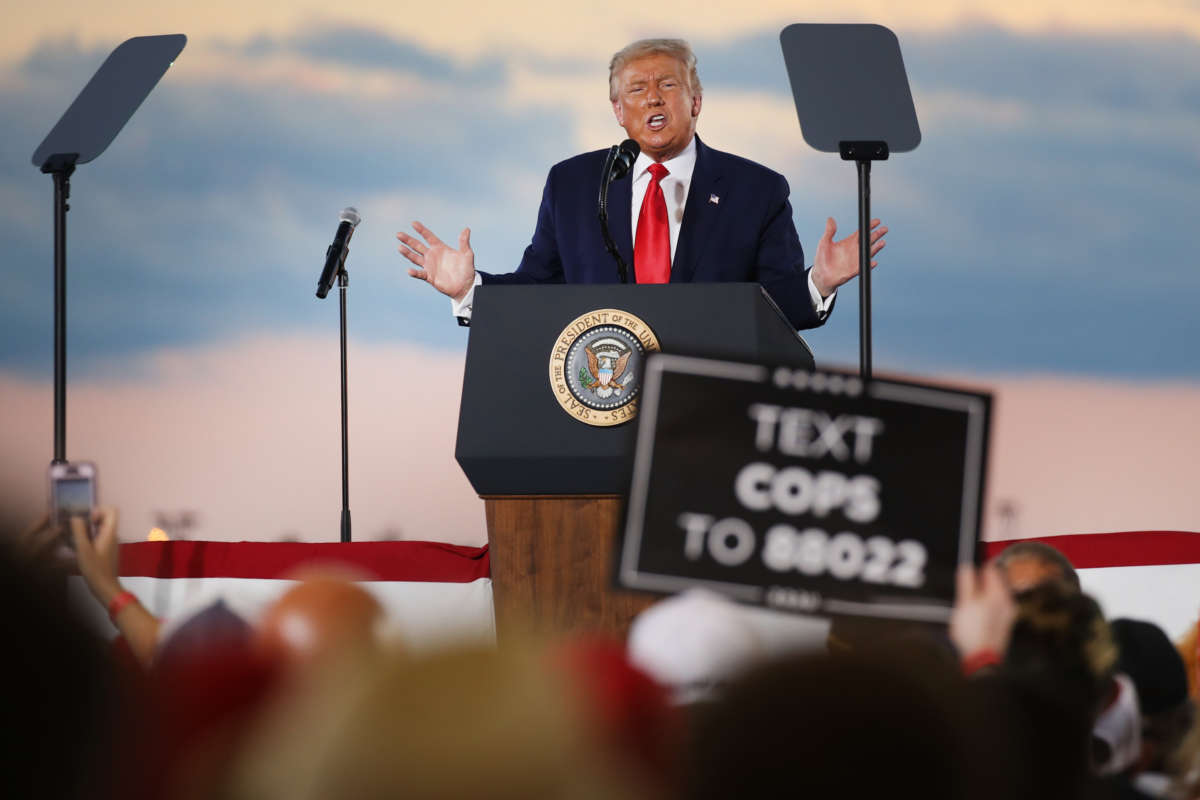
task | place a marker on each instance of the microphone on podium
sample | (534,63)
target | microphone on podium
(627,153)
(617,164)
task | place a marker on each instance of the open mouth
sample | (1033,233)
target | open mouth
(657,122)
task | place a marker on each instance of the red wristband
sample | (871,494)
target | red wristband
(980,659)
(118,603)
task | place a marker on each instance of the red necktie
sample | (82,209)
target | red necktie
(652,250)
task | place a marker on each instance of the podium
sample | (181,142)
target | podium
(553,485)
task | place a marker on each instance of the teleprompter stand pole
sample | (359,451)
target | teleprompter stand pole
(826,64)
(863,153)
(84,131)
(343,282)
(60,168)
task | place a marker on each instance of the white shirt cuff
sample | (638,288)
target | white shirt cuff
(820,304)
(462,308)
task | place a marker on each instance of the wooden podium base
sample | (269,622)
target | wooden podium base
(552,558)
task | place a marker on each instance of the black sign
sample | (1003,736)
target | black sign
(813,492)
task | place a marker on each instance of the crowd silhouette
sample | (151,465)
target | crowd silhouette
(1029,692)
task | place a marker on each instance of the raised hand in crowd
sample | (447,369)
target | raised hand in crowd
(450,271)
(98,558)
(984,612)
(37,543)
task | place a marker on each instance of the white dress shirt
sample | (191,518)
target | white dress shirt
(675,186)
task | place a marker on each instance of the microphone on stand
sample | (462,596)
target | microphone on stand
(335,269)
(617,164)
(336,254)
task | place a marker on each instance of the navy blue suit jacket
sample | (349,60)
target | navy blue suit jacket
(737,226)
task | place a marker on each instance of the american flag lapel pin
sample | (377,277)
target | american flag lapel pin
(712,198)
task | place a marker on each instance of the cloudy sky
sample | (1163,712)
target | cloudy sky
(1043,227)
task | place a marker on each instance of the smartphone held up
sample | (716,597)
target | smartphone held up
(72,493)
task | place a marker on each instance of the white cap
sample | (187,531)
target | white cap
(693,642)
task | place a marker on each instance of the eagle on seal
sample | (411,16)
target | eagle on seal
(606,367)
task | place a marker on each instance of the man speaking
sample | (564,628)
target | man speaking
(684,212)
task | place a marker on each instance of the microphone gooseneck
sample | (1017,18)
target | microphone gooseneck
(617,164)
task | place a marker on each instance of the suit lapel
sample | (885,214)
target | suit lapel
(619,224)
(700,216)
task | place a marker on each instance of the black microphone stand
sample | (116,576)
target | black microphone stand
(602,213)
(343,279)
(335,267)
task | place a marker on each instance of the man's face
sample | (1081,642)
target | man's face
(655,105)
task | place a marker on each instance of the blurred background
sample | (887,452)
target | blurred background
(1041,243)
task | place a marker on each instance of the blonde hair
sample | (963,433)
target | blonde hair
(480,723)
(678,49)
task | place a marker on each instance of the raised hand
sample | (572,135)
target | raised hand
(450,271)
(38,542)
(98,564)
(837,262)
(98,557)
(984,611)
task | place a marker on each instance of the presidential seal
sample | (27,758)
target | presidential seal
(595,366)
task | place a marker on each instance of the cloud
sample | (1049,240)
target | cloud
(1043,224)
(210,213)
(1132,71)
(365,48)
(551,28)
(63,58)
(246,433)
(1045,217)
